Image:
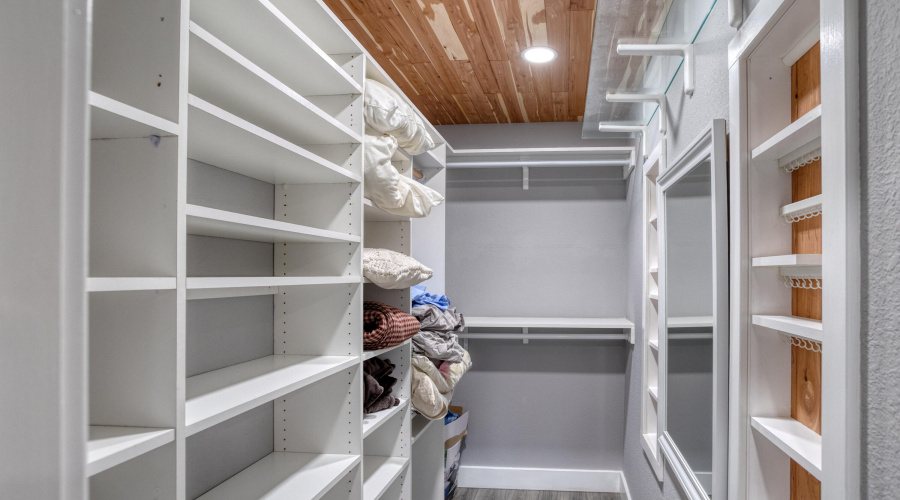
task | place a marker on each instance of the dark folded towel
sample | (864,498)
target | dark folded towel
(385,326)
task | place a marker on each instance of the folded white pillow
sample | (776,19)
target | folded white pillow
(393,270)
(388,113)
(384,185)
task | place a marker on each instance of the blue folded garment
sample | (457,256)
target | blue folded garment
(450,417)
(421,298)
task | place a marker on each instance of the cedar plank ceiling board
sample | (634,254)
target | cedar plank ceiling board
(460,61)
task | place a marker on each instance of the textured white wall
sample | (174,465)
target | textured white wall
(880,167)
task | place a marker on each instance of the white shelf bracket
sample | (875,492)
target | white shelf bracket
(686,51)
(525,177)
(659,99)
(636,129)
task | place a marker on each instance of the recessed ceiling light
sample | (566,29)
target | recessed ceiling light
(539,54)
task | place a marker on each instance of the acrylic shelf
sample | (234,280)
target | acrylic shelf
(216,396)
(205,221)
(379,473)
(372,421)
(796,440)
(285,476)
(109,446)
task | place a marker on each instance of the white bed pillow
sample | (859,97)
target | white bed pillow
(386,188)
(393,270)
(388,113)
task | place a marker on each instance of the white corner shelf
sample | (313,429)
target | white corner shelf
(804,130)
(216,396)
(420,424)
(109,446)
(129,284)
(654,393)
(220,287)
(111,119)
(372,421)
(205,221)
(796,440)
(562,323)
(379,473)
(793,260)
(803,209)
(261,32)
(654,344)
(375,214)
(690,322)
(220,75)
(285,476)
(380,352)
(219,138)
(794,326)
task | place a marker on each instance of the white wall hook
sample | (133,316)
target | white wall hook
(649,49)
(660,99)
(639,129)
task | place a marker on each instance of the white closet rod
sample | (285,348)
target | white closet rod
(539,163)
(545,336)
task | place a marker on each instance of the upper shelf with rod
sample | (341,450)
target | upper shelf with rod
(615,157)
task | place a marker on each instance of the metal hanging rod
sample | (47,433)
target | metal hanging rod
(684,50)
(659,99)
(538,163)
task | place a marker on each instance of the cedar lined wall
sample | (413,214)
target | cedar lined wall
(806,365)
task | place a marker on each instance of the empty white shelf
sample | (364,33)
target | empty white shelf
(653,295)
(261,32)
(795,326)
(379,352)
(209,288)
(654,270)
(286,476)
(375,214)
(109,446)
(207,221)
(219,138)
(802,209)
(796,440)
(420,424)
(791,138)
(545,336)
(564,323)
(129,284)
(372,421)
(220,75)
(111,119)
(379,473)
(690,322)
(654,393)
(654,344)
(793,260)
(690,336)
(216,396)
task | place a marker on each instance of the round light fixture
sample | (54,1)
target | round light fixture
(539,54)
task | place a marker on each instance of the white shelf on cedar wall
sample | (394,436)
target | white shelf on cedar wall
(794,326)
(224,77)
(379,473)
(111,119)
(796,440)
(791,260)
(286,476)
(205,221)
(372,421)
(806,129)
(216,396)
(217,137)
(109,446)
(803,209)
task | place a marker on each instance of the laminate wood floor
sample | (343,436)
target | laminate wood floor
(480,494)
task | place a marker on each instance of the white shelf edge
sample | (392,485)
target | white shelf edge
(206,221)
(796,440)
(653,296)
(654,393)
(379,480)
(420,424)
(546,336)
(115,107)
(286,476)
(690,322)
(568,323)
(129,284)
(795,326)
(654,344)
(379,352)
(109,446)
(230,391)
(216,287)
(809,205)
(807,128)
(791,260)
(654,270)
(378,419)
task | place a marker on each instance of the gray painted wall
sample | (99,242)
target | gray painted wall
(688,116)
(880,184)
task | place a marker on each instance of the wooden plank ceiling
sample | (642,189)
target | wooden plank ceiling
(460,61)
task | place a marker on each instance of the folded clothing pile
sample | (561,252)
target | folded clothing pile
(385,326)
(439,362)
(391,123)
(378,385)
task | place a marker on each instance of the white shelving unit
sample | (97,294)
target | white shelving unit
(625,326)
(654,165)
(232,132)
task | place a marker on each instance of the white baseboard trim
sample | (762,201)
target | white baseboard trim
(510,478)
(625,491)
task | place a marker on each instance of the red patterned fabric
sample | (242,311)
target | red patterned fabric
(385,326)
